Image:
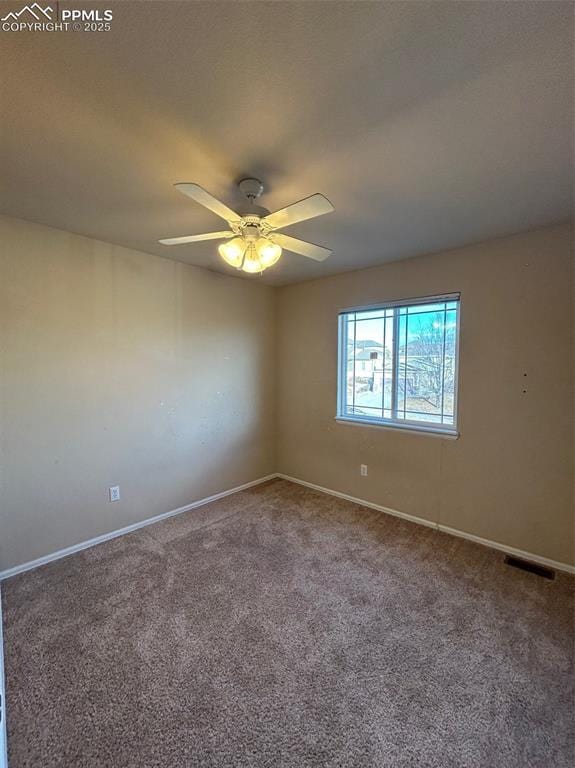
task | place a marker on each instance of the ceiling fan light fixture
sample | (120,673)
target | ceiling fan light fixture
(252,261)
(268,252)
(232,251)
(249,254)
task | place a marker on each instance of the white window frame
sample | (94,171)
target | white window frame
(408,425)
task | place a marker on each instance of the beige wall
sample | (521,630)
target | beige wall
(122,368)
(117,367)
(508,478)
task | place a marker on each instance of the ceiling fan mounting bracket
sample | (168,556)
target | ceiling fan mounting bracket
(251,188)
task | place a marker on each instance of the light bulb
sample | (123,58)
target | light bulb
(252,262)
(233,251)
(268,252)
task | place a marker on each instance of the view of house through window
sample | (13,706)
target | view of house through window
(398,363)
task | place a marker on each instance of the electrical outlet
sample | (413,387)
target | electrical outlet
(363,470)
(115,493)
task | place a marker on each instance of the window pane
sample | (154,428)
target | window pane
(422,360)
(369,360)
(449,366)
(375,314)
(349,367)
(387,368)
(418,309)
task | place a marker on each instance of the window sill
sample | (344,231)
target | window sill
(433,431)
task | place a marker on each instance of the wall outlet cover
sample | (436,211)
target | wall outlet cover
(114,493)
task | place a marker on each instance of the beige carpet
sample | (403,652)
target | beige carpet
(283,627)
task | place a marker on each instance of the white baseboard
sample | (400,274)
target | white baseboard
(555,564)
(387,510)
(127,529)
(437,526)
(370,504)
(3,731)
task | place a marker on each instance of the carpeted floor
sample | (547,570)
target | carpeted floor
(283,627)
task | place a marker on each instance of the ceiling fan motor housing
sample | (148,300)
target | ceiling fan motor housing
(252,189)
(251,232)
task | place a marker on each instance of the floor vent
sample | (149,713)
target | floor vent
(525,565)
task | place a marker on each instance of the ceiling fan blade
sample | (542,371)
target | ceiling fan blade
(204,198)
(195,238)
(315,252)
(309,208)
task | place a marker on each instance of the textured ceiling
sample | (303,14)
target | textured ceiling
(428,125)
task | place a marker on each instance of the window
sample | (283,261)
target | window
(398,364)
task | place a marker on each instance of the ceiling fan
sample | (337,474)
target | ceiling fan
(252,240)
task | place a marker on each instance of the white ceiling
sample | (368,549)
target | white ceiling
(428,125)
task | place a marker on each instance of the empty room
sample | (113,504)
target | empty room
(287,384)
